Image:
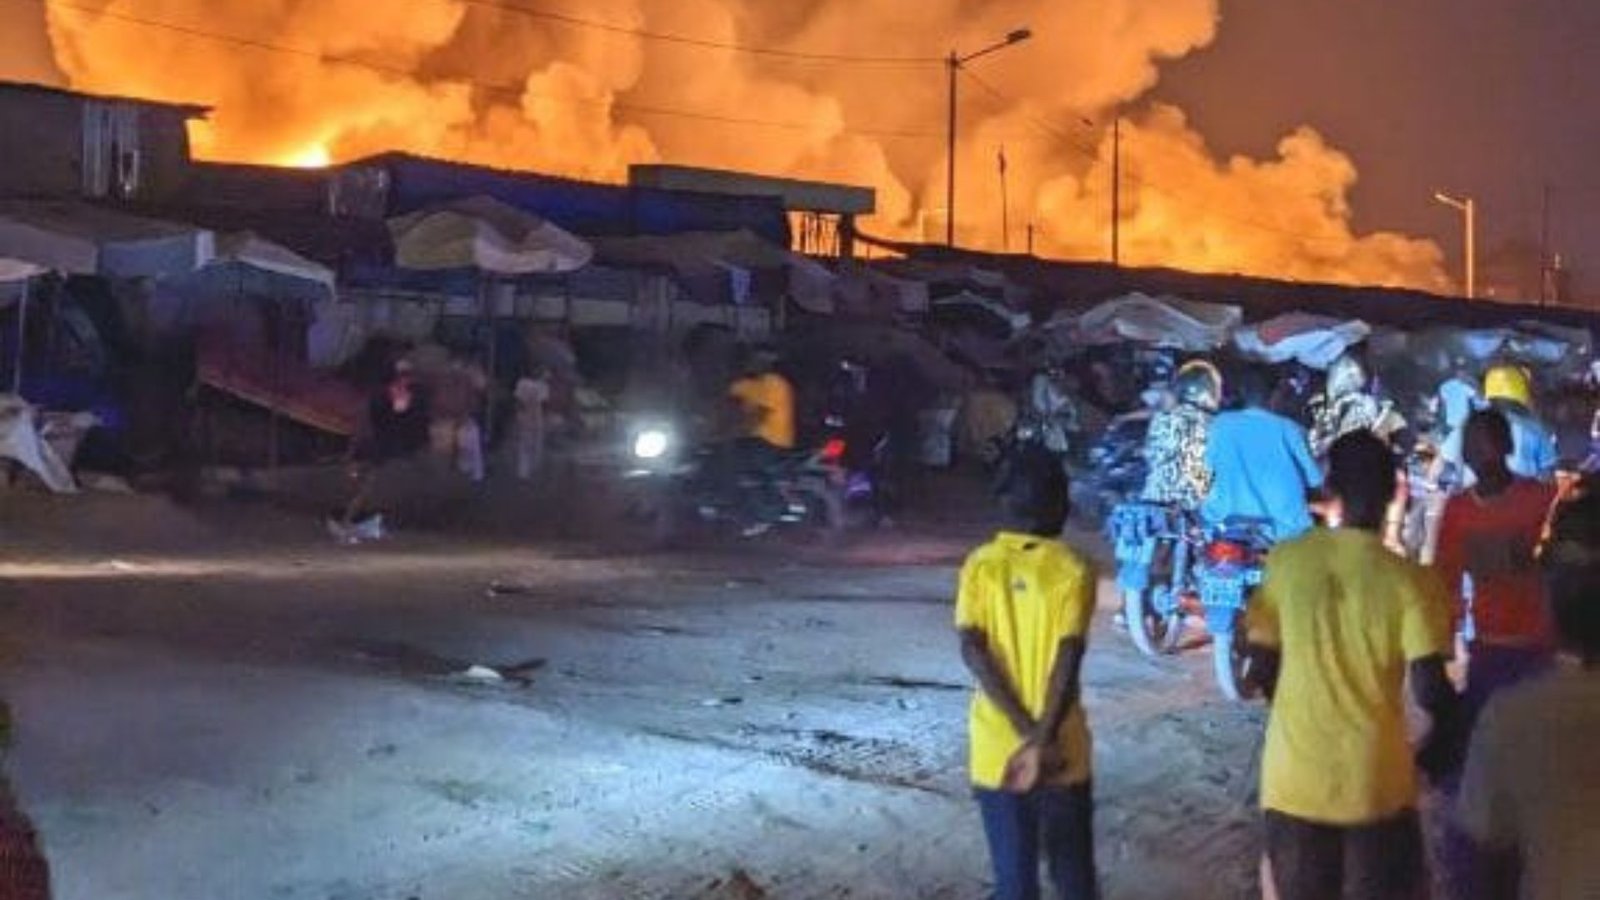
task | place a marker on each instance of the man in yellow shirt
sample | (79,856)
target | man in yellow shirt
(1337,625)
(767,401)
(1023,614)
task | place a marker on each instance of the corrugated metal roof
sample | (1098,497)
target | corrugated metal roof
(192,110)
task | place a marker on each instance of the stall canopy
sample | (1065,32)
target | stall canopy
(80,239)
(484,234)
(723,266)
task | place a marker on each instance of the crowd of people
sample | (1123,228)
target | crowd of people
(1498,638)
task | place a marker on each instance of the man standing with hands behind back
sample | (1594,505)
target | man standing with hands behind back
(1023,613)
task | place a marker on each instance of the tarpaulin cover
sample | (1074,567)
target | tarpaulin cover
(294,390)
(250,249)
(1311,340)
(1537,344)
(722,258)
(484,234)
(581,207)
(81,239)
(1158,321)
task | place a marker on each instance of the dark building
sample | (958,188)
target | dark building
(65,144)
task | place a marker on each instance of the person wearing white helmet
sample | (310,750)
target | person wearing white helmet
(1347,404)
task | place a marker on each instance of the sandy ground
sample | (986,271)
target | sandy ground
(217,703)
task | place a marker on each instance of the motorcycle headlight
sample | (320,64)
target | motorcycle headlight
(651,444)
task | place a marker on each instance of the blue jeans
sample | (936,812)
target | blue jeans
(1057,820)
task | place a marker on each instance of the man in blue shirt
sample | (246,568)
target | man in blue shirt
(1261,464)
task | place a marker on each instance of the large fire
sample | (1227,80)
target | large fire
(585,89)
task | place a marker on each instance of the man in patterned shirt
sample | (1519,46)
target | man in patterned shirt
(1175,447)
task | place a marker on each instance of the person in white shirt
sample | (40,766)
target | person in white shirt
(1530,795)
(532,394)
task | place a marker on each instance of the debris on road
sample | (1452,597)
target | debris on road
(738,886)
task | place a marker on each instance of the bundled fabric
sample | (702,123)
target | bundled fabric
(483,234)
(1158,321)
(1310,340)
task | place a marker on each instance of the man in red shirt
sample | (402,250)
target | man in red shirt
(1487,539)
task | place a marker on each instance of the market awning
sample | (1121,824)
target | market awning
(12,270)
(484,234)
(724,258)
(81,239)
(249,249)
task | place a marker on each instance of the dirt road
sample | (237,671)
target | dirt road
(218,704)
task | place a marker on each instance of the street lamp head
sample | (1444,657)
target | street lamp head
(1019,35)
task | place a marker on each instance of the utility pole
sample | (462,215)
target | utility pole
(1116,191)
(953,68)
(1546,277)
(953,64)
(1005,206)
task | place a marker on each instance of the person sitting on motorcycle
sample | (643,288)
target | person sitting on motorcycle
(766,400)
(1175,446)
(1261,464)
(766,429)
(1508,389)
(1348,404)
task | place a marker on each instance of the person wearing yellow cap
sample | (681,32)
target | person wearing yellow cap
(1507,388)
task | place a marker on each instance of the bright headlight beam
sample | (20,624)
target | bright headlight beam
(651,444)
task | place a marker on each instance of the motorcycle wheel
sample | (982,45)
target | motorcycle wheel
(1153,632)
(1231,664)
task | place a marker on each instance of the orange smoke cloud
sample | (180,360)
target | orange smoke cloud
(309,81)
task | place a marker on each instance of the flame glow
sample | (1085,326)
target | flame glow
(518,85)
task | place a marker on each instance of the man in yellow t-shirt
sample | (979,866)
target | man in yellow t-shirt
(1023,613)
(767,401)
(1337,625)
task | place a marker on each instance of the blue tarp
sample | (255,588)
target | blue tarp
(582,207)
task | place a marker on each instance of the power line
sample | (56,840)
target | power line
(1094,154)
(515,91)
(704,43)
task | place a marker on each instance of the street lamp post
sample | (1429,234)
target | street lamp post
(953,64)
(1469,211)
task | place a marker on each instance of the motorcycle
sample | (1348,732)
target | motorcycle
(1155,548)
(1228,571)
(677,486)
(1115,470)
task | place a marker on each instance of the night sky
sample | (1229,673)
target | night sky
(1486,98)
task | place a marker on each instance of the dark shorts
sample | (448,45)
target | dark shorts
(1381,861)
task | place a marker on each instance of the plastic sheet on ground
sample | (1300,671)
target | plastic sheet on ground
(1158,321)
(1308,339)
(22,440)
